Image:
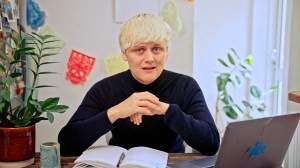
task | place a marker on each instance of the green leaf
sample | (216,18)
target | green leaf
(19,112)
(36,61)
(15,74)
(261,109)
(47,36)
(249,59)
(222,81)
(273,88)
(248,116)
(43,86)
(50,117)
(19,122)
(238,107)
(52,41)
(37,119)
(4,55)
(37,37)
(5,94)
(231,60)
(246,67)
(238,80)
(246,104)
(32,71)
(1,106)
(48,63)
(234,52)
(2,68)
(41,73)
(222,62)
(36,104)
(8,80)
(48,54)
(255,91)
(58,108)
(50,48)
(48,103)
(229,111)
(17,61)
(19,52)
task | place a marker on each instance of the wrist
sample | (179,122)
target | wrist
(112,114)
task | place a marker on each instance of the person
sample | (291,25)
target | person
(145,105)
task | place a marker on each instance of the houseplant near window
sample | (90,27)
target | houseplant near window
(236,71)
(26,113)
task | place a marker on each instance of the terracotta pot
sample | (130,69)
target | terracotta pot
(17,144)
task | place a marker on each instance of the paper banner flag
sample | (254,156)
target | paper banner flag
(35,17)
(171,16)
(79,67)
(46,30)
(115,64)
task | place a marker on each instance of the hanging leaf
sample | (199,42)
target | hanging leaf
(234,53)
(222,82)
(5,94)
(231,60)
(223,62)
(255,91)
(238,80)
(246,104)
(229,111)
(50,117)
(249,59)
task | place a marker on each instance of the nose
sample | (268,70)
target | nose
(149,56)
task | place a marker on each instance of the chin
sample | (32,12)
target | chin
(147,81)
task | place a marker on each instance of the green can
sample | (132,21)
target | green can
(50,155)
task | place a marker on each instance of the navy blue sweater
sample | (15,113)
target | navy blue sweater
(187,118)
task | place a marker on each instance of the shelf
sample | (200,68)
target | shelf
(294,96)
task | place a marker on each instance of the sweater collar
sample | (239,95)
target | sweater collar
(139,87)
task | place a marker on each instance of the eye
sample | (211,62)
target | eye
(157,50)
(140,50)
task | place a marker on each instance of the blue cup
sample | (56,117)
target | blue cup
(50,155)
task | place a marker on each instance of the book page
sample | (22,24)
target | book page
(145,157)
(107,155)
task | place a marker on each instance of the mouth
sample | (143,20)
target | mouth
(148,68)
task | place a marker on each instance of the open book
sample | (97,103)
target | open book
(115,156)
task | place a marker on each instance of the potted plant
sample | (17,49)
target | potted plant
(18,116)
(237,70)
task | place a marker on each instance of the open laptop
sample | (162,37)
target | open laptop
(256,143)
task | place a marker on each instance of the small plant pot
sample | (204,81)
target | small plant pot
(17,145)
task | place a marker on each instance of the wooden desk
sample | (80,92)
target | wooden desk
(67,162)
(294,96)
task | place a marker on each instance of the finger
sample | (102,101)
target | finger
(140,118)
(149,105)
(131,118)
(136,119)
(150,97)
(145,111)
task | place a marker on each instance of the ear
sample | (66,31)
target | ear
(124,56)
(167,55)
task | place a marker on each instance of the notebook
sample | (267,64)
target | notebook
(258,143)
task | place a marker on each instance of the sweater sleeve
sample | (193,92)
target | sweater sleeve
(193,121)
(86,126)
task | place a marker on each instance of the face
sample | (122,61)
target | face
(146,61)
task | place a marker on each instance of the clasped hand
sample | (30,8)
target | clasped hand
(137,105)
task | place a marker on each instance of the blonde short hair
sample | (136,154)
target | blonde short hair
(144,28)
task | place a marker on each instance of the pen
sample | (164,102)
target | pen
(121,158)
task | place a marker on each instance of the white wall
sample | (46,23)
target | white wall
(89,27)
(242,25)
(221,27)
(294,57)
